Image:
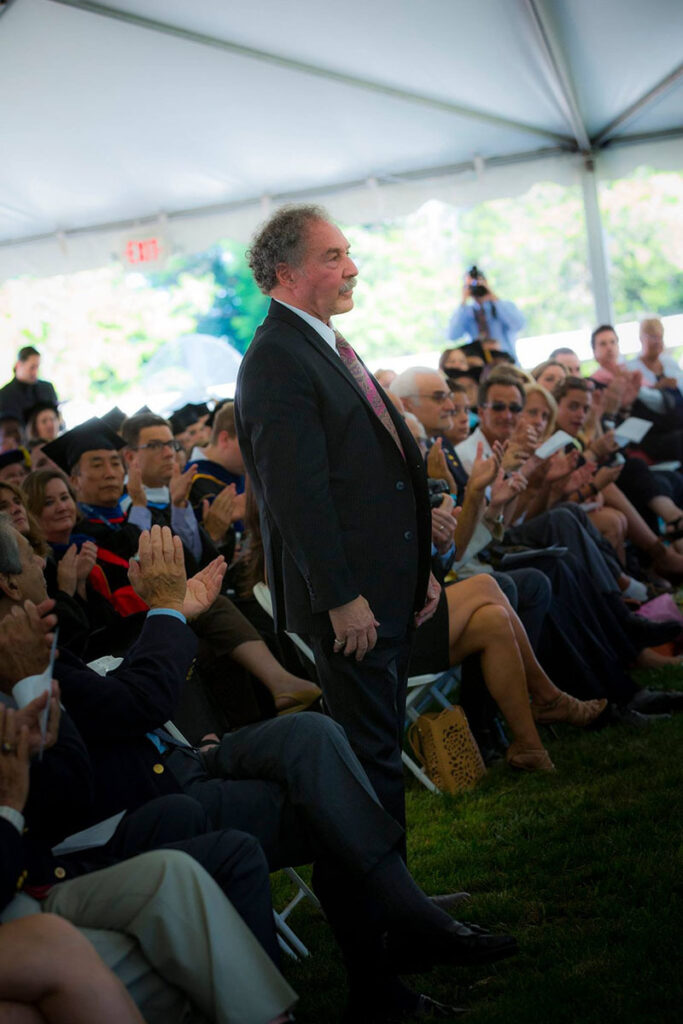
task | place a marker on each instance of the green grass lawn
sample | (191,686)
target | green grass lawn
(583,867)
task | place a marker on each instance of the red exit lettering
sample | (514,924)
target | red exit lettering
(146,250)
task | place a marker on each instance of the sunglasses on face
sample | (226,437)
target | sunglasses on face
(514,407)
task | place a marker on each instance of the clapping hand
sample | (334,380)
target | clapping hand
(134,485)
(158,576)
(484,471)
(506,488)
(217,517)
(437,465)
(31,715)
(560,465)
(204,588)
(181,484)
(443,525)
(67,571)
(26,636)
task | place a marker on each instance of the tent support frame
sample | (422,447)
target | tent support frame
(597,252)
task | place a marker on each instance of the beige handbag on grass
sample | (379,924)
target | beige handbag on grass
(445,747)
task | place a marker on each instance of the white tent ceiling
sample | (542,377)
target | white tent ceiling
(191,119)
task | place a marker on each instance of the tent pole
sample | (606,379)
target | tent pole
(597,254)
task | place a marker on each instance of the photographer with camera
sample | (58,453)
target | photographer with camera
(482,314)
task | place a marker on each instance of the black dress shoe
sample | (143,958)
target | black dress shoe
(656,702)
(460,944)
(646,633)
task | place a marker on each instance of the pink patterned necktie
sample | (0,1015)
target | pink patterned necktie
(367,386)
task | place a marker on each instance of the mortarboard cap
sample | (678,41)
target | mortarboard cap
(14,455)
(496,355)
(90,436)
(474,373)
(201,409)
(113,419)
(10,414)
(474,350)
(142,411)
(183,418)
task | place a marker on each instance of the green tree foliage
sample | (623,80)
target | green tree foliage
(237,305)
(643,220)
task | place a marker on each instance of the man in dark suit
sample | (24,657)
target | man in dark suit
(25,390)
(341,488)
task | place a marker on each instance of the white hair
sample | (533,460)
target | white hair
(406,383)
(410,417)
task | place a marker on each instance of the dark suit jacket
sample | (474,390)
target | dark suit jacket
(113,713)
(342,512)
(18,397)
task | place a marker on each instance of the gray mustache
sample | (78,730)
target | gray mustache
(348,286)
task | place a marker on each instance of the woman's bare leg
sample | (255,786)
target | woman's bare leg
(489,633)
(255,656)
(46,963)
(613,525)
(465,597)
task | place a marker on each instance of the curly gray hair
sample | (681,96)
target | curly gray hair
(281,240)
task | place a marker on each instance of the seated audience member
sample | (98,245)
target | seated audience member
(482,314)
(157,491)
(11,431)
(12,503)
(25,389)
(221,466)
(158,920)
(568,358)
(452,359)
(42,422)
(567,649)
(549,374)
(226,637)
(662,404)
(272,780)
(658,369)
(384,377)
(14,466)
(501,402)
(573,399)
(80,779)
(189,427)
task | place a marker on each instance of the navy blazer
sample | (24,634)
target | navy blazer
(113,713)
(342,511)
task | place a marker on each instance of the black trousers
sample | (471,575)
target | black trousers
(368,699)
(234,859)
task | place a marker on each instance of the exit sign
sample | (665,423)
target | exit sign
(138,251)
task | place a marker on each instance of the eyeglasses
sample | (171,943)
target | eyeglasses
(440,397)
(514,407)
(156,446)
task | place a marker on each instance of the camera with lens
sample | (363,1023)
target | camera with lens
(476,290)
(437,489)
